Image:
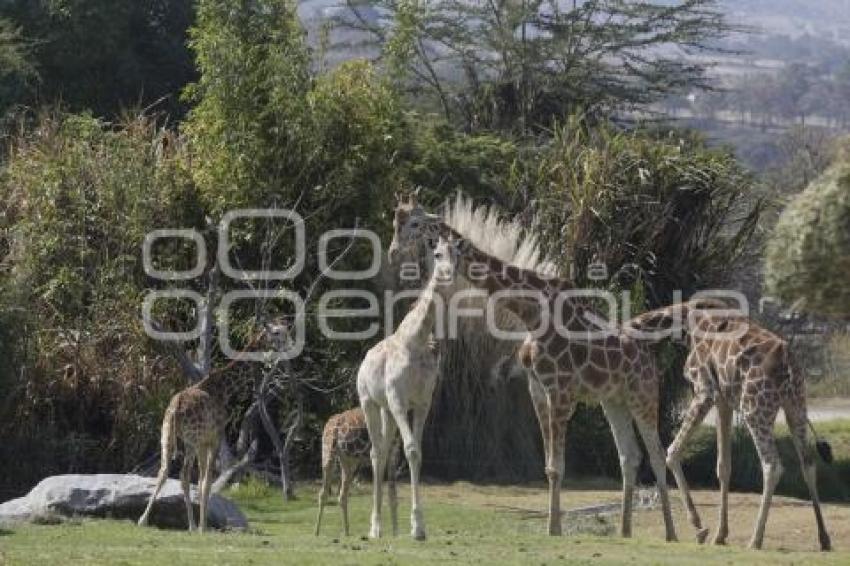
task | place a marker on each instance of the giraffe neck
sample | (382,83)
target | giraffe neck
(223,385)
(418,324)
(492,275)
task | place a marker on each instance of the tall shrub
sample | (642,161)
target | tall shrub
(81,379)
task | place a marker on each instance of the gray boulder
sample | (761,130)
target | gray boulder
(116,496)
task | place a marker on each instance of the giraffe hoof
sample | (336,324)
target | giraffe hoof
(419,535)
(702,534)
(719,540)
(825,544)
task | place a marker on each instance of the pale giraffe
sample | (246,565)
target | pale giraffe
(611,369)
(194,423)
(735,364)
(345,443)
(396,383)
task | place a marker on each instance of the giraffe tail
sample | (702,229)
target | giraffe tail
(822,446)
(328,443)
(169,438)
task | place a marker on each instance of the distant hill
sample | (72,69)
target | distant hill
(826,19)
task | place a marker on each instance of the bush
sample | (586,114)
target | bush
(808,256)
(699,462)
(84,388)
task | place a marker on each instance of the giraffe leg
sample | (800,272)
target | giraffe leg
(346,474)
(540,400)
(724,468)
(555,470)
(327,473)
(164,462)
(205,481)
(390,431)
(761,429)
(392,491)
(795,416)
(620,420)
(373,415)
(413,453)
(649,433)
(700,406)
(185,479)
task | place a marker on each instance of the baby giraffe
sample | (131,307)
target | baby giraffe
(345,441)
(396,383)
(196,417)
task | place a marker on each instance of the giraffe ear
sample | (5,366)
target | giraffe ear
(414,196)
(432,243)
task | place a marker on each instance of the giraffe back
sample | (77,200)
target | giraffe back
(345,435)
(195,418)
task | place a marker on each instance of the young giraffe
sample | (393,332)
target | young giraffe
(345,441)
(733,363)
(196,417)
(396,383)
(611,369)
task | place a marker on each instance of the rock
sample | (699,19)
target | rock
(116,496)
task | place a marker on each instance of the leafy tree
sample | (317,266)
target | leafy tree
(807,259)
(107,55)
(17,72)
(84,387)
(661,208)
(517,65)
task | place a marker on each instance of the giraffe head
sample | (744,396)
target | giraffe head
(444,259)
(412,228)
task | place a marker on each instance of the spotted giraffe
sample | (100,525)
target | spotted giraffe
(569,362)
(345,442)
(195,418)
(194,422)
(735,364)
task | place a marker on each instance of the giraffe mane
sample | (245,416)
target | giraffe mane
(488,229)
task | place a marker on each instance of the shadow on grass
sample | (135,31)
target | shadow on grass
(6,532)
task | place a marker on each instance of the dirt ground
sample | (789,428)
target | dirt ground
(791,523)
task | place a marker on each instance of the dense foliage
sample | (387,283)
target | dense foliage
(82,386)
(807,259)
(262,126)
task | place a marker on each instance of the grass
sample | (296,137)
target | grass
(467,523)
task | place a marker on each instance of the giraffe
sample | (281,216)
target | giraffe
(395,384)
(196,417)
(613,369)
(735,364)
(345,441)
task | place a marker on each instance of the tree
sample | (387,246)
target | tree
(518,64)
(85,388)
(17,72)
(807,260)
(107,55)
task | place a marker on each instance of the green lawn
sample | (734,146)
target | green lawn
(467,523)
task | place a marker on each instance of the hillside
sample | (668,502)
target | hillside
(826,19)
